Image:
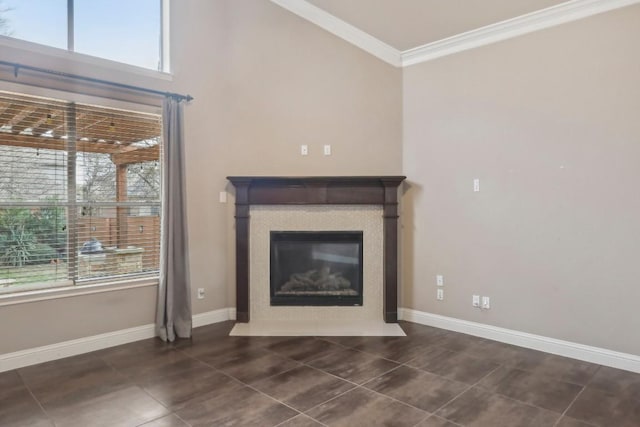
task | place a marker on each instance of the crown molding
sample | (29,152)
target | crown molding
(545,18)
(534,21)
(342,29)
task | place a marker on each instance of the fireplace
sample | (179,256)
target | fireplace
(316,203)
(316,268)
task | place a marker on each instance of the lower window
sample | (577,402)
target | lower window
(79,192)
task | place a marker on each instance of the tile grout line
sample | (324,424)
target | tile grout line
(301,415)
(465,351)
(362,386)
(275,400)
(440,418)
(180,418)
(359,351)
(529,403)
(356,385)
(426,417)
(240,382)
(161,417)
(138,384)
(236,383)
(33,396)
(463,392)
(301,364)
(433,414)
(562,415)
(532,372)
(384,373)
(216,369)
(584,387)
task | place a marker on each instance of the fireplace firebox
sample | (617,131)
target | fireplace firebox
(321,268)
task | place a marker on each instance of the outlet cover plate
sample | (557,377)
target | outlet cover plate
(486,303)
(475,301)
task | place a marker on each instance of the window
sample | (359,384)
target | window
(94,27)
(79,192)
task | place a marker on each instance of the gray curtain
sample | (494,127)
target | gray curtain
(173,317)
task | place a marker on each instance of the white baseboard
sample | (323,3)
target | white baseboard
(587,353)
(32,356)
(573,350)
(63,349)
(210,317)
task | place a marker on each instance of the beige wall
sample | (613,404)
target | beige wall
(264,82)
(549,124)
(547,121)
(48,322)
(272,81)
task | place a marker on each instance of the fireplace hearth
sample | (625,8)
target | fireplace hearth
(316,268)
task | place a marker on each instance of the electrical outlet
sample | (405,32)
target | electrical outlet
(476,185)
(200,293)
(475,301)
(304,150)
(486,303)
(327,150)
(440,294)
(439,280)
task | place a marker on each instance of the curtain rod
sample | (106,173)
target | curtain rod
(16,67)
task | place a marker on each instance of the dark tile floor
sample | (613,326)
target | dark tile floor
(432,378)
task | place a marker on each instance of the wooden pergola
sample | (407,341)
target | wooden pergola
(45,124)
(41,123)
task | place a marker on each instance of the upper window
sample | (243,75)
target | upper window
(119,30)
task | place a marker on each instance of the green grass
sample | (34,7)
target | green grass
(34,273)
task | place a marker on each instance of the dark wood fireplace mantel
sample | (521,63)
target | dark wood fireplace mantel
(318,190)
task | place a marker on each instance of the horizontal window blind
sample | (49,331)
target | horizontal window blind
(79,192)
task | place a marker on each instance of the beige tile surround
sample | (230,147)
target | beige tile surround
(278,320)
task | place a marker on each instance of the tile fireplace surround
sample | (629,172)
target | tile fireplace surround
(367,204)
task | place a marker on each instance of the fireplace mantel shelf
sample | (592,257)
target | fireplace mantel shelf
(318,190)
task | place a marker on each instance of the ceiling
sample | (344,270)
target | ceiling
(406,24)
(407,32)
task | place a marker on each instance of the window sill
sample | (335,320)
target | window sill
(81,58)
(30,296)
